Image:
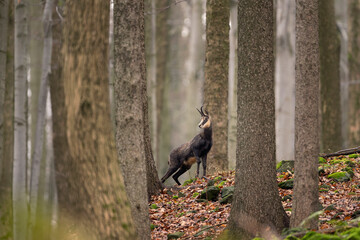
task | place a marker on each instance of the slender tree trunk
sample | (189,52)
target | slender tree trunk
(216,80)
(354,72)
(306,192)
(330,78)
(41,112)
(342,17)
(285,80)
(35,42)
(150,47)
(232,84)
(257,207)
(4,21)
(162,47)
(57,96)
(90,183)
(8,131)
(20,127)
(132,135)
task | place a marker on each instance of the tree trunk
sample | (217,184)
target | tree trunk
(8,130)
(41,112)
(330,78)
(162,47)
(257,206)
(20,215)
(4,21)
(306,192)
(90,184)
(285,80)
(132,135)
(354,72)
(232,84)
(342,17)
(57,95)
(216,80)
(35,52)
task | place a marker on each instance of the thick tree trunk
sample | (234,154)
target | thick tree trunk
(90,184)
(216,80)
(20,215)
(354,72)
(330,78)
(306,192)
(257,206)
(132,130)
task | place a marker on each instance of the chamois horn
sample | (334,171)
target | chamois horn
(201,112)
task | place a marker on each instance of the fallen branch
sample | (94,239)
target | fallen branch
(342,152)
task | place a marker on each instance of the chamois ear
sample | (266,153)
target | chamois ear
(206,113)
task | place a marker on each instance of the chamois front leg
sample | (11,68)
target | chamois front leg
(204,165)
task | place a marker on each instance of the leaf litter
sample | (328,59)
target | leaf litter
(178,211)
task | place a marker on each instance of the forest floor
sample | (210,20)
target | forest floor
(179,212)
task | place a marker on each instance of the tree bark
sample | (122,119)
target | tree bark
(20,215)
(232,84)
(329,78)
(285,80)
(354,72)
(306,192)
(216,80)
(257,206)
(35,43)
(41,112)
(132,130)
(342,23)
(90,184)
(4,21)
(8,130)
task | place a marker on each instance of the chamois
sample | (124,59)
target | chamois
(183,157)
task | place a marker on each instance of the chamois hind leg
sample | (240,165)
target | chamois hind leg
(172,168)
(182,169)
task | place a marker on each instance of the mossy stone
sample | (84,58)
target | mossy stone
(288,184)
(175,235)
(285,165)
(210,193)
(340,176)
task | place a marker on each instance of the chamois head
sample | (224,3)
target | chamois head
(205,121)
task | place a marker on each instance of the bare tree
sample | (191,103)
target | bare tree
(306,193)
(330,78)
(19,195)
(216,80)
(285,79)
(40,120)
(132,130)
(257,204)
(354,71)
(7,124)
(4,21)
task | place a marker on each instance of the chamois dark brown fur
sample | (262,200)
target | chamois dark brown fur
(183,157)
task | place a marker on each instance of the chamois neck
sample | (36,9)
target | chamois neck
(207,133)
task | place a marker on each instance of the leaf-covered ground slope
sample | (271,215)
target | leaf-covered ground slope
(182,214)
